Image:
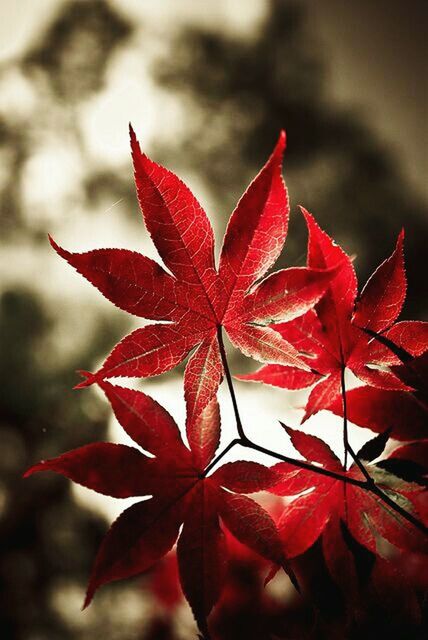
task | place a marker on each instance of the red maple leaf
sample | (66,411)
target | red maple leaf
(192,297)
(164,580)
(403,412)
(245,607)
(382,583)
(337,333)
(180,492)
(326,500)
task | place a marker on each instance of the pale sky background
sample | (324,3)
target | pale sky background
(383,42)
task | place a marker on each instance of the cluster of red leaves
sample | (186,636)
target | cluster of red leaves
(246,609)
(326,502)
(339,331)
(307,325)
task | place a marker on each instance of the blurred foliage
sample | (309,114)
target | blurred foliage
(83,32)
(44,536)
(249,610)
(66,66)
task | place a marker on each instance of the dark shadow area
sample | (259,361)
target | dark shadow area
(76,50)
(44,535)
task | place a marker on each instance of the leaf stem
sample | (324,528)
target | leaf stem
(401,353)
(305,465)
(346,446)
(228,375)
(370,484)
(367,484)
(217,459)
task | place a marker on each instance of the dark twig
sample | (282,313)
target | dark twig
(227,373)
(401,353)
(220,456)
(368,484)
(346,446)
(244,441)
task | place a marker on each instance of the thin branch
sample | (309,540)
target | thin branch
(345,417)
(246,442)
(227,373)
(345,424)
(368,484)
(348,447)
(401,353)
(305,465)
(374,488)
(216,460)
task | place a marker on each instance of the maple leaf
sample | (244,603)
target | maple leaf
(339,331)
(325,501)
(243,594)
(193,297)
(361,574)
(181,494)
(365,579)
(165,579)
(378,409)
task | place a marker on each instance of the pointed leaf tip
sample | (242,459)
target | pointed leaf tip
(282,140)
(399,246)
(288,429)
(307,215)
(272,573)
(135,145)
(83,373)
(63,253)
(288,570)
(374,448)
(280,146)
(311,224)
(53,244)
(88,599)
(88,379)
(33,469)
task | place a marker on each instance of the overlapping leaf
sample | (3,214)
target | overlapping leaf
(327,500)
(181,494)
(365,579)
(339,331)
(403,412)
(193,297)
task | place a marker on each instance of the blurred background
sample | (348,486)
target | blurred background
(207,86)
